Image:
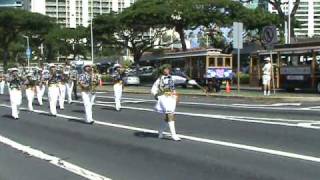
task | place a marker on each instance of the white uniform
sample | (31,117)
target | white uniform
(62,90)
(40,86)
(2,84)
(69,84)
(53,93)
(30,91)
(164,91)
(15,94)
(88,94)
(117,89)
(266,74)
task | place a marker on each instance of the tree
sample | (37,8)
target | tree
(66,41)
(277,4)
(184,15)
(125,30)
(14,23)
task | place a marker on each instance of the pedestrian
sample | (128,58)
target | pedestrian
(68,81)
(53,89)
(88,82)
(266,79)
(2,83)
(40,85)
(165,94)
(62,87)
(15,82)
(74,77)
(118,85)
(30,87)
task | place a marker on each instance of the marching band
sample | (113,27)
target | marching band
(61,81)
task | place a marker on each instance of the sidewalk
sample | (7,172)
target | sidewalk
(245,93)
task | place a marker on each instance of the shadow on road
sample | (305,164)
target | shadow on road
(145,135)
(7,117)
(78,111)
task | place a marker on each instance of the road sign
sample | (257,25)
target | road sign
(237,35)
(269,35)
(28,53)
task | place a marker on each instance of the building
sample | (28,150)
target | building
(253,4)
(11,3)
(308,15)
(73,13)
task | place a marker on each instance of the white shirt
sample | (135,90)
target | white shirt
(267,69)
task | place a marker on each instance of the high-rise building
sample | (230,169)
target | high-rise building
(73,13)
(254,3)
(11,3)
(308,14)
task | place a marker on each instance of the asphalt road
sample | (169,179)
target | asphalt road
(223,139)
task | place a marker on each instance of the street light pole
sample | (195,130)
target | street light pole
(289,20)
(91,31)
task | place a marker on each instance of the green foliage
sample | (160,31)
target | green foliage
(127,63)
(14,23)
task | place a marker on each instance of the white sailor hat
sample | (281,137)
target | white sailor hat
(14,69)
(29,74)
(117,66)
(86,65)
(51,65)
(267,59)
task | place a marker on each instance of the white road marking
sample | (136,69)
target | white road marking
(272,121)
(276,106)
(204,140)
(52,160)
(268,105)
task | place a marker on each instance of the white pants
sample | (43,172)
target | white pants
(16,100)
(117,88)
(69,86)
(62,95)
(266,79)
(30,97)
(88,101)
(2,84)
(40,92)
(166,104)
(8,86)
(53,94)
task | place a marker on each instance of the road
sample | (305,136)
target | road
(222,139)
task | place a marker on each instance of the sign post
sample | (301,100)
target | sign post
(270,37)
(28,54)
(238,44)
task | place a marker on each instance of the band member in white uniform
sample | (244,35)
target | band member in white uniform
(266,78)
(30,87)
(165,93)
(15,82)
(62,87)
(68,81)
(118,85)
(2,83)
(88,82)
(74,77)
(53,89)
(40,85)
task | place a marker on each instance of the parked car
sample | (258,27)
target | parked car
(131,79)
